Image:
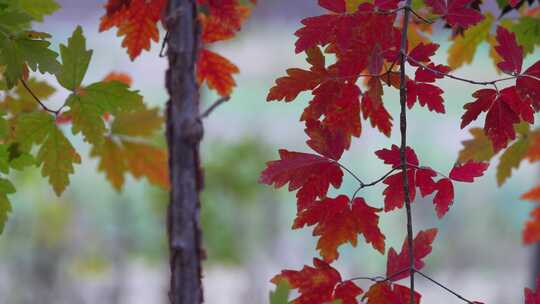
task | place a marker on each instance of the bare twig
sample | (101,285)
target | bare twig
(419,16)
(55,112)
(363,185)
(351,173)
(164,45)
(444,287)
(403,147)
(471,81)
(379,279)
(216,104)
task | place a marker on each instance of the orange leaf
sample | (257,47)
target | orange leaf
(217,71)
(136,20)
(532,195)
(119,76)
(531,233)
(337,222)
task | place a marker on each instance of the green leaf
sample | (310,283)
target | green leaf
(113,96)
(88,106)
(144,122)
(17,51)
(87,119)
(4,158)
(75,60)
(464,47)
(32,129)
(56,154)
(6,187)
(511,159)
(12,22)
(37,9)
(281,294)
(527,31)
(5,209)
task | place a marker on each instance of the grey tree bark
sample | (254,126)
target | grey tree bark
(184,133)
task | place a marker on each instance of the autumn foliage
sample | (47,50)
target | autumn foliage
(350,64)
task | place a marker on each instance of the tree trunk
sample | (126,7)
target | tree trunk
(184,133)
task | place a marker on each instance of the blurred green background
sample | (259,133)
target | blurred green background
(94,245)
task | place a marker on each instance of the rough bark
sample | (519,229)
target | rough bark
(184,133)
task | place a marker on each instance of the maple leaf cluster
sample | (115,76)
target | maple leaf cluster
(220,20)
(332,119)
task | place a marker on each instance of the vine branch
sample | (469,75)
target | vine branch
(403,147)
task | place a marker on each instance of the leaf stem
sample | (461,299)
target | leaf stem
(55,112)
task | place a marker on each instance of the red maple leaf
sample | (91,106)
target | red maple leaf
(528,85)
(444,197)
(311,174)
(387,292)
(456,12)
(533,297)
(427,75)
(393,194)
(136,20)
(510,51)
(422,53)
(504,109)
(319,285)
(426,94)
(397,265)
(217,71)
(338,222)
(223,20)
(392,156)
(468,171)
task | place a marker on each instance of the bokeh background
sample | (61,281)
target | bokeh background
(94,245)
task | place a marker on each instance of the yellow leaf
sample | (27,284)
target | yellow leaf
(352,5)
(511,159)
(149,161)
(464,47)
(111,161)
(479,148)
(144,122)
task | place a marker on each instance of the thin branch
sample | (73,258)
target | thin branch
(163,45)
(351,173)
(379,279)
(444,287)
(403,147)
(418,16)
(55,112)
(471,81)
(427,168)
(216,104)
(362,185)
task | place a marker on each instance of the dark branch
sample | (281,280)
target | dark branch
(216,104)
(419,16)
(55,112)
(164,45)
(444,287)
(492,82)
(403,147)
(351,173)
